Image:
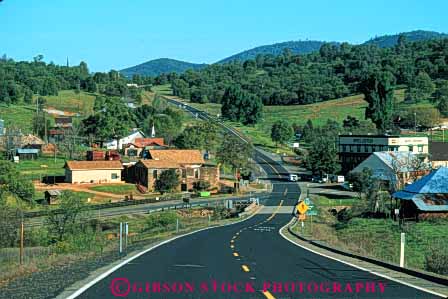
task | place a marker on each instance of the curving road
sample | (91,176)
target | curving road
(240,260)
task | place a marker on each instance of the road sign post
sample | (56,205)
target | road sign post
(402,250)
(121,238)
(126,232)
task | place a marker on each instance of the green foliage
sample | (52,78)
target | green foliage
(112,119)
(62,224)
(167,181)
(201,185)
(233,152)
(281,132)
(423,86)
(378,91)
(162,220)
(10,219)
(322,158)
(443,107)
(240,106)
(425,117)
(202,136)
(436,260)
(11,182)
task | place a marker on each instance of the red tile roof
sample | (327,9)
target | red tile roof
(178,156)
(142,142)
(157,164)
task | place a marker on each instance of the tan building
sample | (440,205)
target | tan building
(189,164)
(353,149)
(79,172)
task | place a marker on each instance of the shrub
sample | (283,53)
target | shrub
(161,220)
(436,260)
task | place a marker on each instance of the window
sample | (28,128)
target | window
(411,148)
(344,148)
(358,149)
(114,176)
(184,173)
(420,148)
(154,174)
(196,173)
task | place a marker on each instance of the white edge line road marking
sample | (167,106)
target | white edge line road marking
(359,267)
(113,269)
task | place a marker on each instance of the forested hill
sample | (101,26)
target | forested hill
(387,41)
(160,66)
(296,47)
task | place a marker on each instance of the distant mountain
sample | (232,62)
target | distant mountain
(386,41)
(166,65)
(296,47)
(162,65)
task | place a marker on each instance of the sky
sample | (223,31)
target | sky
(111,34)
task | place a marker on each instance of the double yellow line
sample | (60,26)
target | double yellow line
(276,211)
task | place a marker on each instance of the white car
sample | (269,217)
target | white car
(293,178)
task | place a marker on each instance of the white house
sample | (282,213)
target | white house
(125,140)
(394,167)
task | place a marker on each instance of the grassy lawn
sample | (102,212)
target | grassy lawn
(68,100)
(116,189)
(18,116)
(35,169)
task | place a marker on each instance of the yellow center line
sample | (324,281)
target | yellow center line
(271,166)
(231,246)
(245,268)
(276,211)
(235,254)
(231,241)
(268,294)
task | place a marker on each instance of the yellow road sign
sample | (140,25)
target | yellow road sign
(302,207)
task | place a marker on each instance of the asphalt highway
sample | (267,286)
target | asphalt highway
(249,259)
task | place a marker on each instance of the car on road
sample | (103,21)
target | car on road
(293,178)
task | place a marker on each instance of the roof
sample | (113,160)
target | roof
(142,142)
(433,183)
(53,192)
(160,164)
(27,151)
(398,161)
(31,139)
(178,156)
(90,165)
(438,151)
(63,120)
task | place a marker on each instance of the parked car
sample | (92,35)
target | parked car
(293,178)
(337,179)
(347,186)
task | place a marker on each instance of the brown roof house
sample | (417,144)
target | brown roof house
(189,164)
(79,172)
(135,149)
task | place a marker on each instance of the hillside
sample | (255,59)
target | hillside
(386,41)
(296,47)
(159,66)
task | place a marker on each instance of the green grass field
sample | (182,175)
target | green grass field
(68,100)
(18,116)
(116,189)
(43,166)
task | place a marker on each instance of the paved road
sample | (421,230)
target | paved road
(247,256)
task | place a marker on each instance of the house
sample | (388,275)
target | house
(27,153)
(438,154)
(32,142)
(426,198)
(63,122)
(78,172)
(189,164)
(140,145)
(353,149)
(51,196)
(394,169)
(125,140)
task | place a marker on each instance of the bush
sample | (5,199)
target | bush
(161,220)
(436,260)
(201,185)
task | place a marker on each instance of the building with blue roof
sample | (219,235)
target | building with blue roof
(426,198)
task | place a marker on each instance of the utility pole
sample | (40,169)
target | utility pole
(21,240)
